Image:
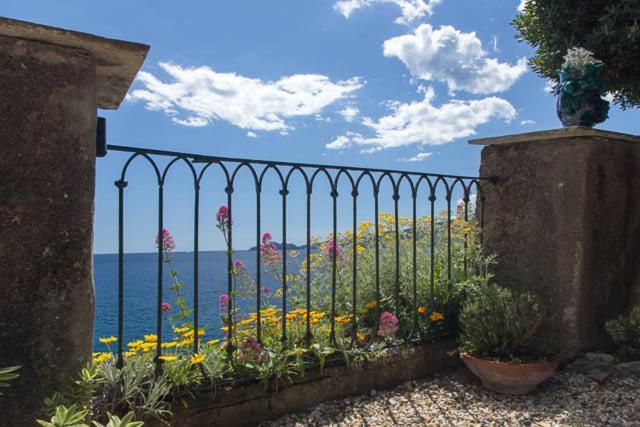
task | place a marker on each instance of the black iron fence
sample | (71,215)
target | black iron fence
(424,267)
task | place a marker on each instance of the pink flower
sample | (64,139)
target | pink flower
(222,216)
(223,302)
(265,290)
(239,264)
(268,250)
(165,307)
(166,241)
(251,351)
(331,249)
(389,325)
(460,210)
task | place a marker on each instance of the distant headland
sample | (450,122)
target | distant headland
(290,246)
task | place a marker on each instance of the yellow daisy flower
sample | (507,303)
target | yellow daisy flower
(169,344)
(151,338)
(108,340)
(436,316)
(196,359)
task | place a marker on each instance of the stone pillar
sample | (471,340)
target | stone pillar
(51,83)
(564,222)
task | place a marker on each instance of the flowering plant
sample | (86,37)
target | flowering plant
(389,325)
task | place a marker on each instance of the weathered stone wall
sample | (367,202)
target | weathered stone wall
(564,221)
(249,405)
(47,122)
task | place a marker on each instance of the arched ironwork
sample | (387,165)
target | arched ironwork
(399,180)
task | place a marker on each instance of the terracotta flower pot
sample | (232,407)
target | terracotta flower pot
(509,378)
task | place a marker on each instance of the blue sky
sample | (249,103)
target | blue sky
(381,83)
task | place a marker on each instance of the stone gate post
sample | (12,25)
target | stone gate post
(51,83)
(564,222)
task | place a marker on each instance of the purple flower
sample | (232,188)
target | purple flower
(238,264)
(251,351)
(265,290)
(165,307)
(266,238)
(334,248)
(165,241)
(389,325)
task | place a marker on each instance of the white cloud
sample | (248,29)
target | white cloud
(522,5)
(549,87)
(411,9)
(527,122)
(421,122)
(417,158)
(251,135)
(204,95)
(349,113)
(473,198)
(339,143)
(196,122)
(455,58)
(494,44)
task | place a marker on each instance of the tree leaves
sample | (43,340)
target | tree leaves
(608,28)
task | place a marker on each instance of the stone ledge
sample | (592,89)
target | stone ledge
(563,133)
(249,405)
(116,61)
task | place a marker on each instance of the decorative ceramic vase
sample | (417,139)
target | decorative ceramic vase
(509,378)
(579,99)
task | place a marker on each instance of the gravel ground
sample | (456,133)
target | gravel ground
(458,399)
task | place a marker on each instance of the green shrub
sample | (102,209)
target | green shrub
(499,323)
(625,332)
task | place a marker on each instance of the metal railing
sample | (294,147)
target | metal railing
(415,183)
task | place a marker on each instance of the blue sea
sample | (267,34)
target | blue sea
(140,291)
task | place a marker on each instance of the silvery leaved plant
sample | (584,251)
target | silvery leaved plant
(576,61)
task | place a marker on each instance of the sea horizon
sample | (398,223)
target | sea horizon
(140,292)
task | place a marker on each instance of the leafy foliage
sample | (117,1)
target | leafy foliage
(8,374)
(115,421)
(496,322)
(625,332)
(103,389)
(66,417)
(608,28)
(73,416)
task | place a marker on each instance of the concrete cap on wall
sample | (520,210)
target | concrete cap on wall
(117,62)
(563,133)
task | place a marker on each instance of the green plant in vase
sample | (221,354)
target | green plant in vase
(580,90)
(498,340)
